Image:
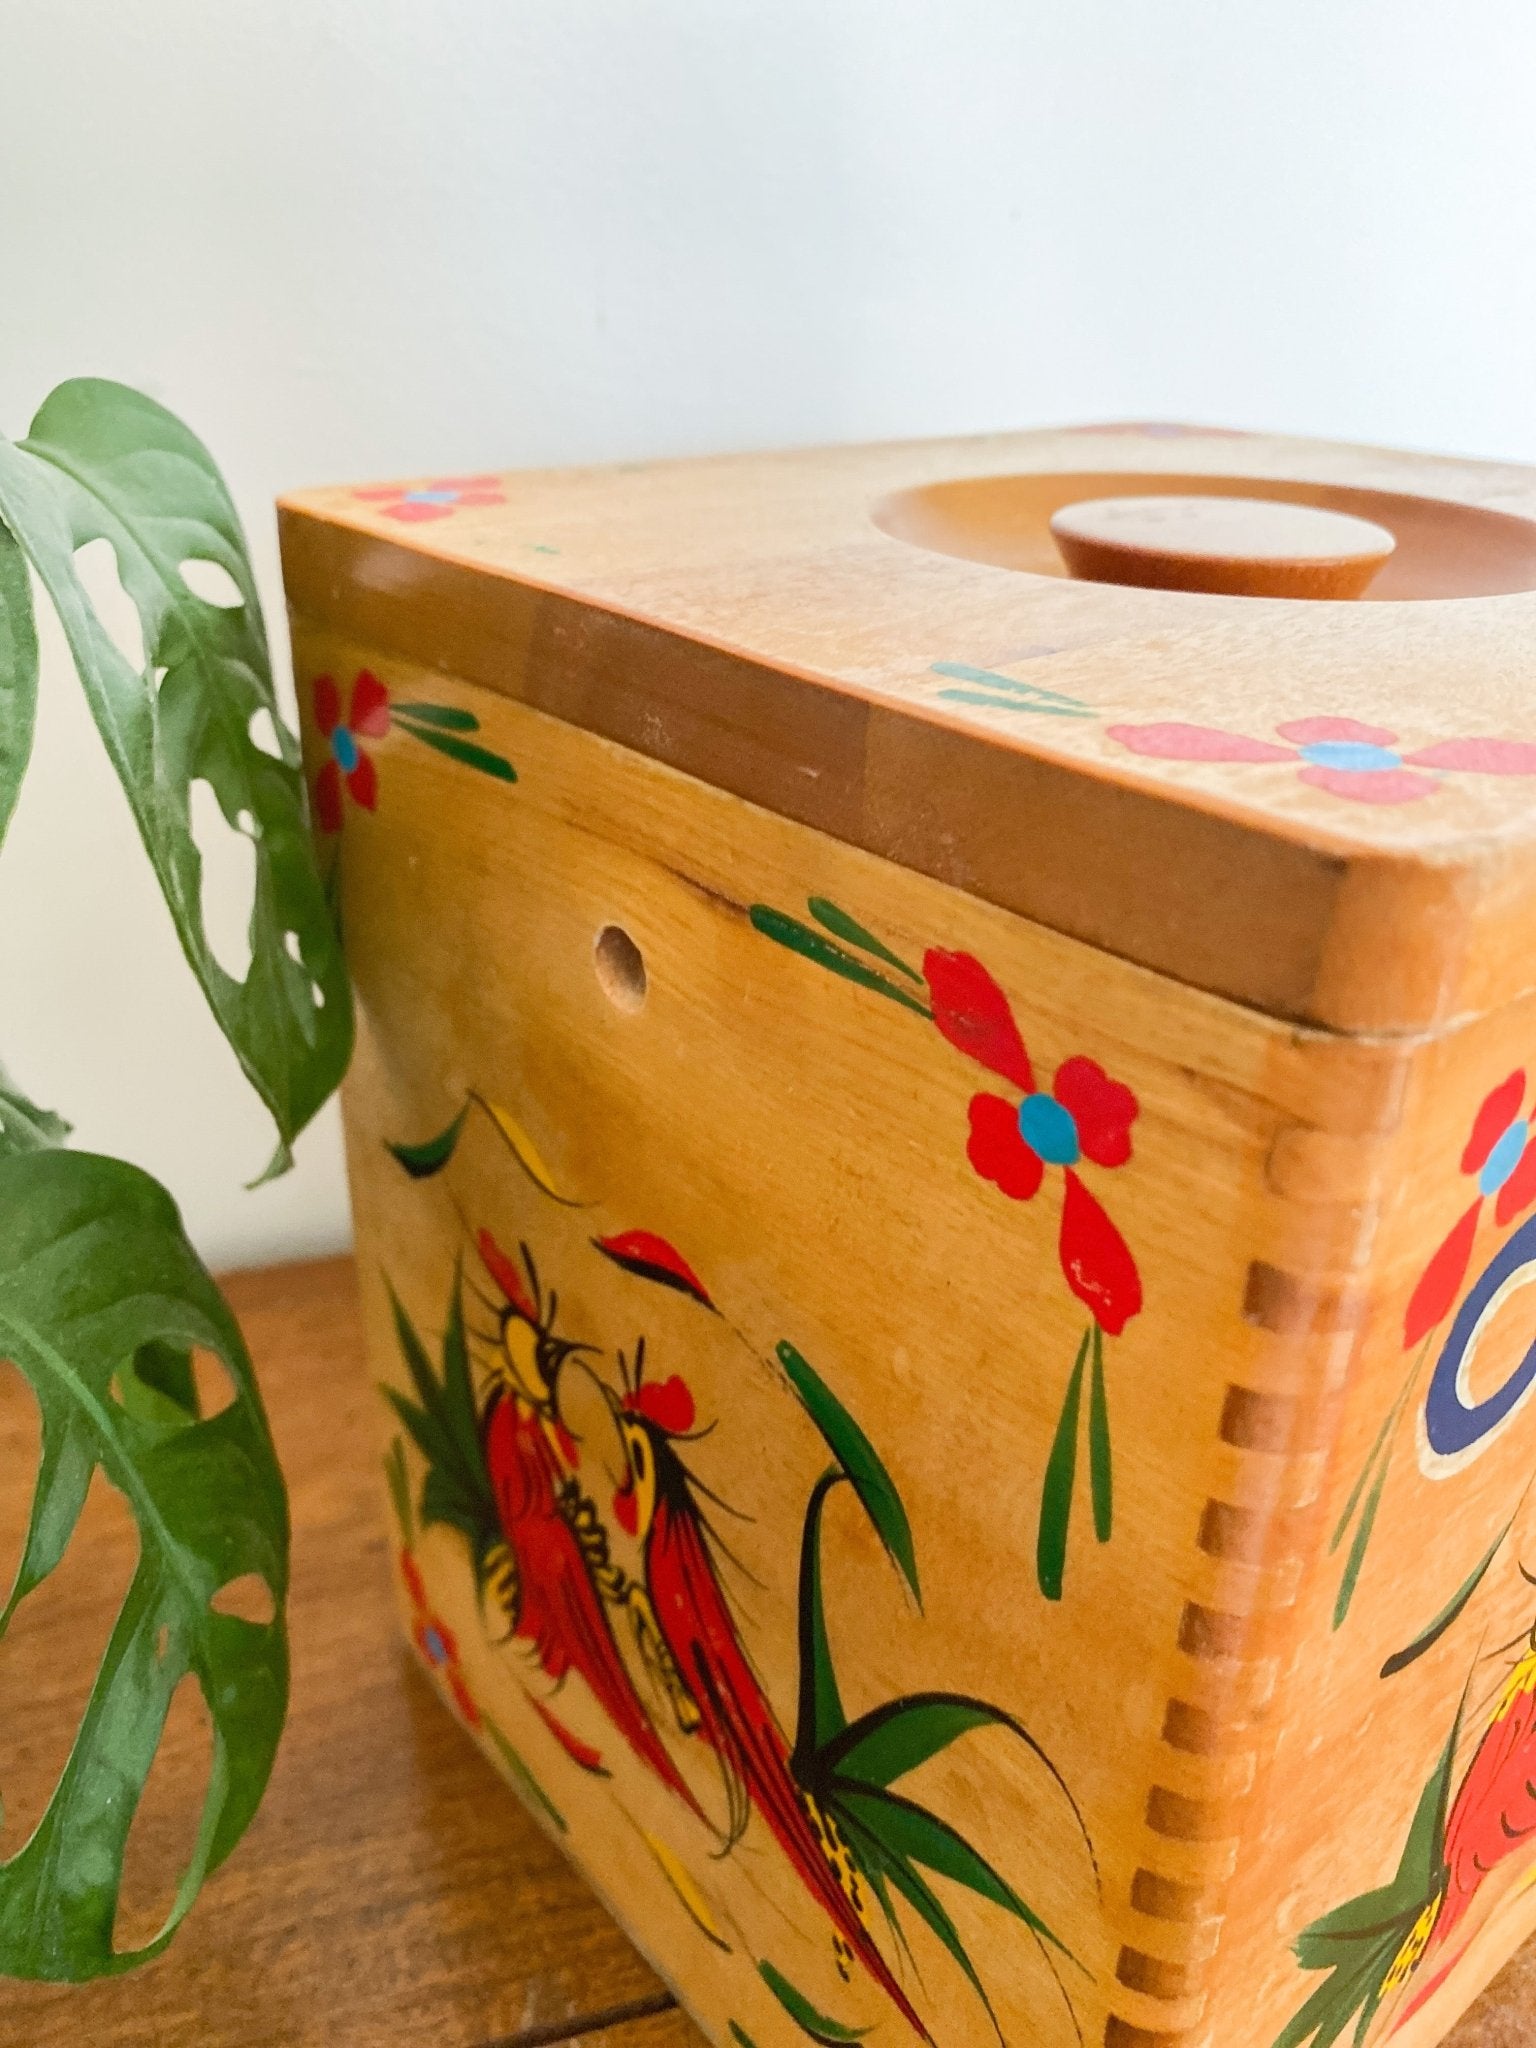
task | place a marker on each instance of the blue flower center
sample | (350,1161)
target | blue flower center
(433,1644)
(1504,1157)
(1357,757)
(431,497)
(344,748)
(1049,1130)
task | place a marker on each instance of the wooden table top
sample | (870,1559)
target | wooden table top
(391,1890)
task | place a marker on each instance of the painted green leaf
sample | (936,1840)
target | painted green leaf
(891,1740)
(1452,1611)
(1060,1480)
(467,754)
(990,701)
(1361,1543)
(18,674)
(1359,1941)
(432,1154)
(443,1424)
(105,463)
(23,1126)
(908,1832)
(842,926)
(924,1901)
(96,1275)
(821,1717)
(859,1459)
(740,2036)
(399,1480)
(810,945)
(831,2033)
(1100,1466)
(445,716)
(1018,695)
(521,1776)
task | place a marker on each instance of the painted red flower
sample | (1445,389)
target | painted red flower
(436,1642)
(434,500)
(1501,1155)
(367,718)
(1014,1138)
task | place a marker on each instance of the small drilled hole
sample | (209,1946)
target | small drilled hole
(620,967)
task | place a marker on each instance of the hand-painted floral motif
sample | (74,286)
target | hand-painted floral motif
(533,1508)
(372,714)
(1365,763)
(438,499)
(1376,1948)
(349,764)
(437,1643)
(1013,1139)
(1500,1158)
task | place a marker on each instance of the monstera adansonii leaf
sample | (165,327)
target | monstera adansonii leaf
(105,463)
(102,1304)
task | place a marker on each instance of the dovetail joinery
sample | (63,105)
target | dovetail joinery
(1252,1543)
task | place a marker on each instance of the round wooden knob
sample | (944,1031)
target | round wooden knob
(1234,547)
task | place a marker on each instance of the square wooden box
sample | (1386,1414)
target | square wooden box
(940,1157)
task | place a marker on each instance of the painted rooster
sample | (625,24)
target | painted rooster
(660,1504)
(506,1475)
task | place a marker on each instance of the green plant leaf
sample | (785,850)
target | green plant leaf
(444,716)
(810,945)
(831,2033)
(821,1716)
(466,753)
(96,1275)
(18,674)
(1060,1479)
(1100,1465)
(842,926)
(432,1154)
(908,1833)
(103,462)
(859,1460)
(23,1126)
(1450,1613)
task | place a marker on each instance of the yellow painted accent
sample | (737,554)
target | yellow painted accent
(527,1154)
(693,1900)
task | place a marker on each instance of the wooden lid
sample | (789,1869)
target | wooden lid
(1326,810)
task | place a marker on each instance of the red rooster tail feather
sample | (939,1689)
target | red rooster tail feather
(739,1724)
(561,1612)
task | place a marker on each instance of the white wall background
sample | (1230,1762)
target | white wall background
(357,238)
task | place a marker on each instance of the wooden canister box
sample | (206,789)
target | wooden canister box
(945,1193)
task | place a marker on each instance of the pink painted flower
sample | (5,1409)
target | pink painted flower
(434,500)
(1340,755)
(368,716)
(436,1643)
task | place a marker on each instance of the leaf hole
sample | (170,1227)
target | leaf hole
(212,582)
(228,883)
(263,731)
(96,567)
(54,1645)
(163,1836)
(216,1391)
(21,1448)
(293,946)
(620,968)
(318,993)
(163,1641)
(248,1598)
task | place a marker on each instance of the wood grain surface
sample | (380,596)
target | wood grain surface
(391,1889)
